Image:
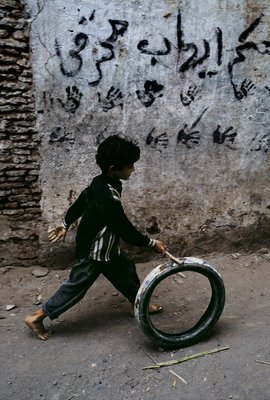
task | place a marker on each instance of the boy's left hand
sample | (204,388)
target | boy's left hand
(160,247)
(57,233)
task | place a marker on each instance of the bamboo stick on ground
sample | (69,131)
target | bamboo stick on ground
(262,362)
(179,377)
(172,362)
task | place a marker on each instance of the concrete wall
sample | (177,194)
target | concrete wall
(190,81)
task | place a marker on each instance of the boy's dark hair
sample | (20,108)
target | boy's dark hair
(118,152)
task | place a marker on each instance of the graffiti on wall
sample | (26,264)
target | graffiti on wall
(189,57)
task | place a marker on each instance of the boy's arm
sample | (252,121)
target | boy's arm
(121,225)
(74,212)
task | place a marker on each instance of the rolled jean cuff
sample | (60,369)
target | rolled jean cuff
(51,316)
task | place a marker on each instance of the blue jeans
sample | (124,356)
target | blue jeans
(120,271)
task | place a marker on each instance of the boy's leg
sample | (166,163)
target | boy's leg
(121,272)
(82,276)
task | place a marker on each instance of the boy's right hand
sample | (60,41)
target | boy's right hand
(57,233)
(160,247)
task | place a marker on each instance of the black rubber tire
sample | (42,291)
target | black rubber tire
(206,322)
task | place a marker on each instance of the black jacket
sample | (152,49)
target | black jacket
(99,208)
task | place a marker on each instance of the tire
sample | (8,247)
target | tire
(207,320)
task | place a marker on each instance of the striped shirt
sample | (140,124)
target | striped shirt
(106,243)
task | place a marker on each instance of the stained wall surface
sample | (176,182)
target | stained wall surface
(190,82)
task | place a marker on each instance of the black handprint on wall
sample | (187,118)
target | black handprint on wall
(114,98)
(261,142)
(59,137)
(157,142)
(148,95)
(188,138)
(221,137)
(73,99)
(189,96)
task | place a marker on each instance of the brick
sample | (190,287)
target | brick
(34,172)
(13,43)
(19,116)
(20,130)
(15,173)
(19,159)
(17,198)
(13,212)
(27,73)
(24,79)
(12,51)
(24,124)
(11,205)
(8,77)
(8,59)
(25,145)
(5,159)
(12,100)
(9,108)
(33,210)
(22,190)
(19,137)
(20,151)
(4,33)
(24,63)
(10,68)
(8,94)
(19,35)
(4,193)
(11,185)
(13,23)
(19,166)
(15,179)
(16,86)
(30,204)
(36,191)
(30,178)
(11,4)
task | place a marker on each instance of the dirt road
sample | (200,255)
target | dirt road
(98,352)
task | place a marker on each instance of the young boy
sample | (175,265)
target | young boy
(103,223)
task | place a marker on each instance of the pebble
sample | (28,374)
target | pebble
(10,307)
(38,272)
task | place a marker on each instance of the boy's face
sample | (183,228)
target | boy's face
(124,173)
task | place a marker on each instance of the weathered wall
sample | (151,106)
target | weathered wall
(190,82)
(19,172)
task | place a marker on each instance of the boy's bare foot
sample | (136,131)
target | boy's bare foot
(35,322)
(153,309)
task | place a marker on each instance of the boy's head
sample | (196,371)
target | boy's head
(116,153)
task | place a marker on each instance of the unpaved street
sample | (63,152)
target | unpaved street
(98,352)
